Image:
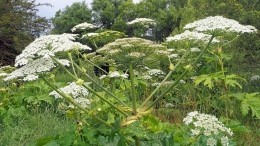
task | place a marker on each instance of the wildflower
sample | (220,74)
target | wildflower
(189,35)
(135,55)
(194,49)
(155,72)
(146,77)
(114,74)
(169,105)
(73,90)
(30,77)
(2,74)
(90,35)
(129,50)
(211,141)
(64,62)
(33,67)
(83,26)
(195,132)
(84,102)
(77,92)
(255,77)
(224,141)
(49,45)
(220,23)
(174,56)
(182,82)
(208,124)
(143,21)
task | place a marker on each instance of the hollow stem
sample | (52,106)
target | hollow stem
(104,89)
(72,65)
(71,100)
(102,98)
(165,79)
(90,89)
(183,74)
(133,95)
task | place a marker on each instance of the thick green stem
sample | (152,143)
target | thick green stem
(133,95)
(183,74)
(71,100)
(96,66)
(165,79)
(90,89)
(104,89)
(72,65)
(137,141)
(102,98)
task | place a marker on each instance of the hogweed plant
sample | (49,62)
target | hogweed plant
(207,130)
(123,111)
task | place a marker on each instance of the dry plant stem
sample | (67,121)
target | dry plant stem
(70,99)
(90,89)
(165,79)
(133,95)
(104,89)
(183,74)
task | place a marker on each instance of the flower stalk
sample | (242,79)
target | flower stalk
(165,79)
(90,89)
(70,99)
(183,74)
(104,89)
(133,95)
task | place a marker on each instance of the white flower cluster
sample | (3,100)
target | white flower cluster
(255,77)
(174,55)
(2,74)
(194,49)
(114,74)
(46,46)
(220,23)
(146,77)
(143,21)
(91,34)
(135,55)
(79,94)
(29,71)
(83,26)
(168,105)
(207,125)
(155,72)
(131,47)
(35,58)
(189,35)
(165,84)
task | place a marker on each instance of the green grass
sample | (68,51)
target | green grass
(33,126)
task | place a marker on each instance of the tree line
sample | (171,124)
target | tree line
(20,24)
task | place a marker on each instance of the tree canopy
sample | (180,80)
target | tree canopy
(72,15)
(19,25)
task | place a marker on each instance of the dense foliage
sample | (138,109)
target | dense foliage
(19,25)
(72,15)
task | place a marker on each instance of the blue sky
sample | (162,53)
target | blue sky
(49,12)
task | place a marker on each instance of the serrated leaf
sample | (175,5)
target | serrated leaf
(244,108)
(208,82)
(200,79)
(110,118)
(251,102)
